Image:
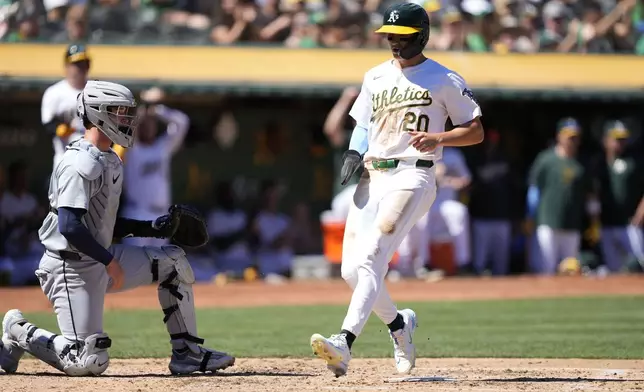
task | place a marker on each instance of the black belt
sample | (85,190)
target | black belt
(65,255)
(393,163)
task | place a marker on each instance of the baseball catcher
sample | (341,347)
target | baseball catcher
(80,264)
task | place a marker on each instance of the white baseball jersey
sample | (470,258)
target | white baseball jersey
(393,102)
(147,169)
(455,166)
(59,100)
(85,178)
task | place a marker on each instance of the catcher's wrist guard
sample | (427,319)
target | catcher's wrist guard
(135,228)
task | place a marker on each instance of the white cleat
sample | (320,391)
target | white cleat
(334,351)
(11,353)
(404,349)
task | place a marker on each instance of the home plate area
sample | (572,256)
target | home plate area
(287,374)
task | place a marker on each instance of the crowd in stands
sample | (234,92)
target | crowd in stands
(500,26)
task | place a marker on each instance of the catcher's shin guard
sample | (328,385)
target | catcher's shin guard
(171,269)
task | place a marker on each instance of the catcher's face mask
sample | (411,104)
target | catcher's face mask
(125,117)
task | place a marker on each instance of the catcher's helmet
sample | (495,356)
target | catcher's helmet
(111,107)
(405,19)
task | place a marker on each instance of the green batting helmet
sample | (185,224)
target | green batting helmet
(405,19)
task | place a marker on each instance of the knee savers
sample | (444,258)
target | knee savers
(93,358)
(171,269)
(82,358)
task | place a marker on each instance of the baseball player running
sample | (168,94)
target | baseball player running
(400,117)
(78,268)
(58,106)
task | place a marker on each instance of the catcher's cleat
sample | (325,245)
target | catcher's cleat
(187,361)
(10,351)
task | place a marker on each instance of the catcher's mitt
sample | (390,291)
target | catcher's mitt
(191,230)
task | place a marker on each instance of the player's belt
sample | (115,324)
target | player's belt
(387,164)
(64,255)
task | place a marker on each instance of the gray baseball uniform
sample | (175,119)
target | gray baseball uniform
(89,179)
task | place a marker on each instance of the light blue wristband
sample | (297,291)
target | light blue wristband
(359,140)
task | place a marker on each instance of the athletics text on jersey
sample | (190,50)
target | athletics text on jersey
(394,102)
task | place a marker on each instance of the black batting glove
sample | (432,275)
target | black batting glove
(351,162)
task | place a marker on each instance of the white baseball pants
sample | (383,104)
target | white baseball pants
(617,242)
(385,206)
(492,243)
(449,216)
(413,252)
(555,245)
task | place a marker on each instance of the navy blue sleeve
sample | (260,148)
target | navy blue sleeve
(77,234)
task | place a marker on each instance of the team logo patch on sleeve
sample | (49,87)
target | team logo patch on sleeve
(468,93)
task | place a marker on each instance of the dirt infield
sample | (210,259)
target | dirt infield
(271,374)
(295,375)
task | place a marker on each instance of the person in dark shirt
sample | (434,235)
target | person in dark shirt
(619,182)
(490,207)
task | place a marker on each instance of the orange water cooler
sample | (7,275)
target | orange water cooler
(332,236)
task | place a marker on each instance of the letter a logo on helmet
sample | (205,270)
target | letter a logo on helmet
(407,19)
